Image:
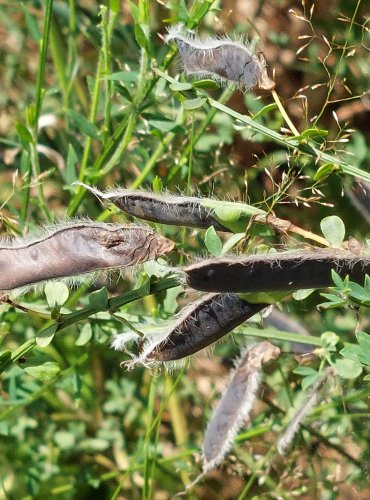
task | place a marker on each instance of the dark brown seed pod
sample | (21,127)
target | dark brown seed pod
(276,271)
(78,248)
(164,209)
(198,326)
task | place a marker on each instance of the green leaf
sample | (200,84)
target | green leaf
(123,76)
(191,104)
(351,352)
(56,293)
(367,378)
(71,176)
(310,380)
(302,294)
(314,134)
(213,242)
(335,300)
(170,302)
(85,335)
(359,294)
(325,170)
(165,125)
(333,229)
(206,84)
(44,337)
(84,126)
(65,440)
(348,368)
(337,280)
(264,110)
(364,340)
(180,86)
(305,371)
(99,299)
(31,24)
(24,135)
(45,372)
(232,242)
(5,357)
(157,184)
(329,340)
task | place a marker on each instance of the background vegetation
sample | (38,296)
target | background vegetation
(82,99)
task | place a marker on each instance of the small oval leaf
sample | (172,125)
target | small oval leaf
(44,338)
(56,293)
(45,372)
(85,335)
(213,242)
(333,229)
(191,104)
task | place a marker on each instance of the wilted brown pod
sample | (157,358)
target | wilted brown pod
(199,326)
(162,208)
(276,271)
(236,403)
(78,248)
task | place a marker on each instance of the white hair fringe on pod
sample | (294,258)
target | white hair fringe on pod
(221,59)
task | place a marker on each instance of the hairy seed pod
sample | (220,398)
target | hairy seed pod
(220,59)
(164,209)
(276,271)
(198,326)
(310,401)
(78,248)
(236,403)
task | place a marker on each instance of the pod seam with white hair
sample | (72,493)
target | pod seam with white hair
(221,59)
(161,208)
(74,248)
(197,326)
(236,403)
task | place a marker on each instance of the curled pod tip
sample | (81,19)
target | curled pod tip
(76,248)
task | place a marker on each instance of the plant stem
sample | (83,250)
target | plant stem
(284,114)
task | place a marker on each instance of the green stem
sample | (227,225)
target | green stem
(156,155)
(292,143)
(72,318)
(148,433)
(41,68)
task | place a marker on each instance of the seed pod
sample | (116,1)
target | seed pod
(220,59)
(198,326)
(276,271)
(78,248)
(310,401)
(236,403)
(164,209)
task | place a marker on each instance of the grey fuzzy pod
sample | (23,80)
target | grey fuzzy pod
(76,248)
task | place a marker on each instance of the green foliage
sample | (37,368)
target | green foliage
(93,94)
